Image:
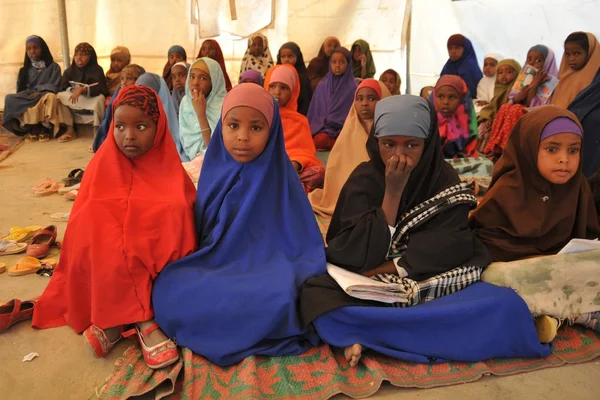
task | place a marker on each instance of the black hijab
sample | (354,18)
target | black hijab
(91,73)
(359,237)
(46,56)
(305,88)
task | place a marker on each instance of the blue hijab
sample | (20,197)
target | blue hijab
(258,243)
(467,67)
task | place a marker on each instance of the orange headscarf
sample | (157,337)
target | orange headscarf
(296,129)
(349,151)
(131,218)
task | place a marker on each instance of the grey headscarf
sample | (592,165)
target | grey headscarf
(540,48)
(406,115)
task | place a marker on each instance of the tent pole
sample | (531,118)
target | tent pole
(64,33)
(406,27)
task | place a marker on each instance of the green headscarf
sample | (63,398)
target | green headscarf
(366,50)
(501,91)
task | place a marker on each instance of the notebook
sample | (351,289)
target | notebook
(526,77)
(579,245)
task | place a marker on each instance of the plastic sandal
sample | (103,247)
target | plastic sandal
(44,137)
(63,217)
(72,195)
(74,177)
(41,242)
(30,265)
(67,189)
(15,311)
(46,187)
(8,247)
(2,269)
(546,328)
(22,234)
(158,356)
(67,137)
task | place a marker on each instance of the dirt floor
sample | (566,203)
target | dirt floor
(66,369)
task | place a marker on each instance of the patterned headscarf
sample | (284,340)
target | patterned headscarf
(140,97)
(84,48)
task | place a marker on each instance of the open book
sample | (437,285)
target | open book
(579,245)
(361,287)
(79,84)
(526,77)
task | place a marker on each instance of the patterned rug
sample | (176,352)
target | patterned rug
(9,143)
(321,373)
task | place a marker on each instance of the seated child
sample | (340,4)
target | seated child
(391,79)
(332,101)
(200,108)
(539,198)
(363,66)
(211,49)
(133,190)
(176,54)
(426,92)
(541,58)
(506,75)
(119,59)
(283,83)
(350,149)
(83,88)
(463,62)
(485,87)
(318,67)
(579,65)
(402,218)
(456,117)
(179,73)
(252,76)
(128,76)
(290,53)
(258,56)
(258,242)
(33,108)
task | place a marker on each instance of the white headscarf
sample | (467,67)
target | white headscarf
(485,88)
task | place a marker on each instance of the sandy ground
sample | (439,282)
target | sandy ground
(66,369)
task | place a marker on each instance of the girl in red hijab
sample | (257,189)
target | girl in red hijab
(133,216)
(211,49)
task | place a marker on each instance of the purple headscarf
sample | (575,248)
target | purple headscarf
(549,67)
(332,100)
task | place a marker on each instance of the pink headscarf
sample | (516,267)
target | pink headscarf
(285,76)
(249,95)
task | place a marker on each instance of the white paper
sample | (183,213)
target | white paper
(579,245)
(30,356)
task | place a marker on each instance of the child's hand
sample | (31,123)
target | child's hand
(76,93)
(522,95)
(539,78)
(297,166)
(199,102)
(481,103)
(363,60)
(397,172)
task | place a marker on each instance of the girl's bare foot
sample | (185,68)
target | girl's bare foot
(154,338)
(353,353)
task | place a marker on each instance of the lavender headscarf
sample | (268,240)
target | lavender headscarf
(549,67)
(332,100)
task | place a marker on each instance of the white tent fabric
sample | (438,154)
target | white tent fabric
(149,27)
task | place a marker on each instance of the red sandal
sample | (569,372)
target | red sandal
(158,356)
(98,342)
(15,311)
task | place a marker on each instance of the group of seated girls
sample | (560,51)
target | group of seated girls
(507,91)
(238,268)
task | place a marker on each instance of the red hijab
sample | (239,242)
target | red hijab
(218,58)
(131,218)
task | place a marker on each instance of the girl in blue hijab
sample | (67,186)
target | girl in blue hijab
(258,242)
(463,62)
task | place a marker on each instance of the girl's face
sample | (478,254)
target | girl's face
(117,63)
(281,92)
(200,81)
(127,79)
(356,53)
(489,67)
(339,64)
(134,131)
(558,157)
(407,146)
(575,55)
(175,57)
(245,133)
(330,47)
(364,103)
(179,75)
(288,57)
(34,51)
(257,48)
(447,100)
(390,81)
(209,50)
(81,59)
(455,52)
(506,74)
(535,59)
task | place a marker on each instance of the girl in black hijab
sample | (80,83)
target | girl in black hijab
(290,53)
